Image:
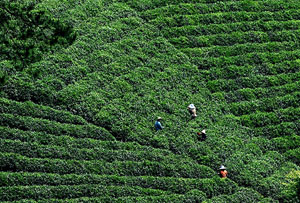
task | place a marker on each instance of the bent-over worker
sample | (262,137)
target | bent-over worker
(157,124)
(202,135)
(223,173)
(192,110)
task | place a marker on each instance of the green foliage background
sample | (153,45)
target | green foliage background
(82,83)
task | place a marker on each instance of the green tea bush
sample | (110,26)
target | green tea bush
(264,143)
(34,110)
(51,127)
(21,82)
(238,49)
(252,82)
(282,129)
(35,150)
(293,155)
(27,33)
(141,6)
(259,119)
(220,18)
(227,28)
(142,198)
(265,104)
(67,191)
(242,195)
(275,185)
(257,170)
(125,69)
(286,142)
(234,71)
(15,162)
(248,94)
(234,38)
(246,59)
(252,169)
(65,140)
(212,186)
(270,187)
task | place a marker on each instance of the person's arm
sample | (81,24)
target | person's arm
(160,126)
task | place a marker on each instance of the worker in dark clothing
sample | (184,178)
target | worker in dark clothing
(201,135)
(157,124)
(222,172)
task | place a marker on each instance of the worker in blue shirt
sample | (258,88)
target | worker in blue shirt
(157,124)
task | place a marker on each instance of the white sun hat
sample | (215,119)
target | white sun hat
(222,167)
(191,106)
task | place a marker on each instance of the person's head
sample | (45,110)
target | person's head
(222,168)
(159,119)
(203,131)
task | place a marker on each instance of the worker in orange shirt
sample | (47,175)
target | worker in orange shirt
(223,173)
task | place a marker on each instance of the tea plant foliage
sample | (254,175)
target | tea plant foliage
(82,83)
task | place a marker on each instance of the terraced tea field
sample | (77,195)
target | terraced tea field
(77,117)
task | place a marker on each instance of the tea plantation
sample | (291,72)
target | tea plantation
(82,83)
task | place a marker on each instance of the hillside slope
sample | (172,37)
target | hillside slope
(77,120)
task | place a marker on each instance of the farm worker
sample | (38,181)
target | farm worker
(192,109)
(223,173)
(202,135)
(157,124)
